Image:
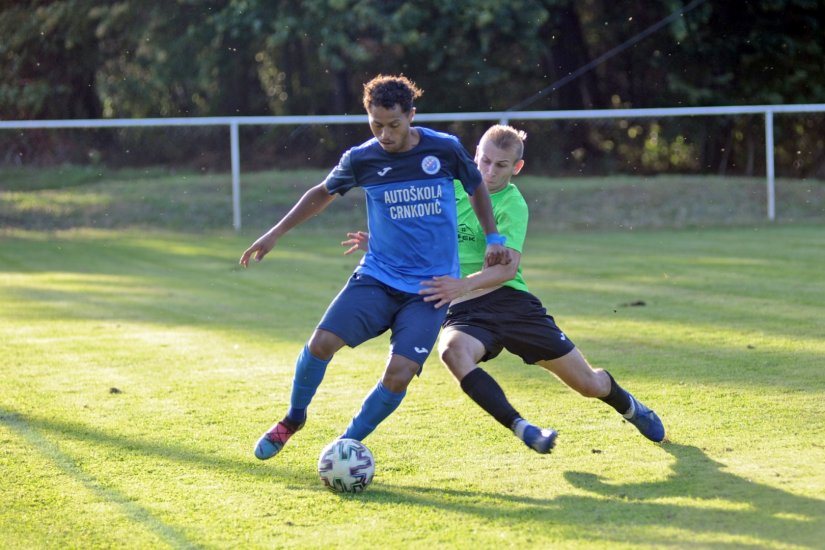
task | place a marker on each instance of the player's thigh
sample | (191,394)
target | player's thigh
(415,329)
(362,310)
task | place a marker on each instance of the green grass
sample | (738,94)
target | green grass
(728,348)
(72,197)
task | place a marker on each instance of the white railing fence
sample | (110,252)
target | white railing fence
(233,123)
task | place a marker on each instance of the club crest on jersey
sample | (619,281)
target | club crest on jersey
(431,165)
(465,233)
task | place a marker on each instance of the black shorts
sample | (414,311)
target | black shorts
(513,320)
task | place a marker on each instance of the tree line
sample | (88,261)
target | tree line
(152,58)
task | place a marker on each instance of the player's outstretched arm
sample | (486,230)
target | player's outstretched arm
(443,290)
(309,205)
(496,252)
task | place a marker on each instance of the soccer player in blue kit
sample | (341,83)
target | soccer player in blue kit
(407,175)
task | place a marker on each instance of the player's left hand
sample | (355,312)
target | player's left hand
(442,290)
(497,254)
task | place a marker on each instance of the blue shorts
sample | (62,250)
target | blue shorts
(366,308)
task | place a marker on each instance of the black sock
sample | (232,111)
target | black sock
(485,391)
(618,398)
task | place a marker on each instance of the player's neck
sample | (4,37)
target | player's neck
(413,139)
(499,188)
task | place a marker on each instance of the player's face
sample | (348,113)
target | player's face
(496,165)
(391,127)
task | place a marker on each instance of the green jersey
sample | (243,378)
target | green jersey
(511,213)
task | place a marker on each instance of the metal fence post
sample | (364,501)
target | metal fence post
(769,164)
(236,175)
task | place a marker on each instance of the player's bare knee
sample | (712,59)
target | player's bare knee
(324,344)
(459,362)
(397,380)
(446,353)
(452,356)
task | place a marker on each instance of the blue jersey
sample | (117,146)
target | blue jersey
(411,213)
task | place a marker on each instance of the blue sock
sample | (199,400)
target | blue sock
(309,372)
(378,405)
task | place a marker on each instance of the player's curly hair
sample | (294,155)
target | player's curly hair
(388,91)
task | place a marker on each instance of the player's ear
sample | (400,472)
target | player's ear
(518,166)
(411,116)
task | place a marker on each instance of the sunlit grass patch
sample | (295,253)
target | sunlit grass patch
(137,369)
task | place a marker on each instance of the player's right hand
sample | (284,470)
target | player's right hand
(359,240)
(443,289)
(497,254)
(260,248)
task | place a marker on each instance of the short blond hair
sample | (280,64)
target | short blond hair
(506,137)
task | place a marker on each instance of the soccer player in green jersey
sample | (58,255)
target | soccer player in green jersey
(491,308)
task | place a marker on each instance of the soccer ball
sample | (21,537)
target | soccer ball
(346,466)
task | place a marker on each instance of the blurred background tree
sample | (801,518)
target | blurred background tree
(151,58)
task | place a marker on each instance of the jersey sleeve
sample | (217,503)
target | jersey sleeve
(342,178)
(466,169)
(512,223)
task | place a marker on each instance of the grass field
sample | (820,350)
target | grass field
(69,197)
(138,368)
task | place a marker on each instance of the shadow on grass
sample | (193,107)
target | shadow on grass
(731,508)
(737,506)
(42,433)
(723,505)
(29,426)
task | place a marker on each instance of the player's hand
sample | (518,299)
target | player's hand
(497,254)
(259,248)
(442,290)
(358,240)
